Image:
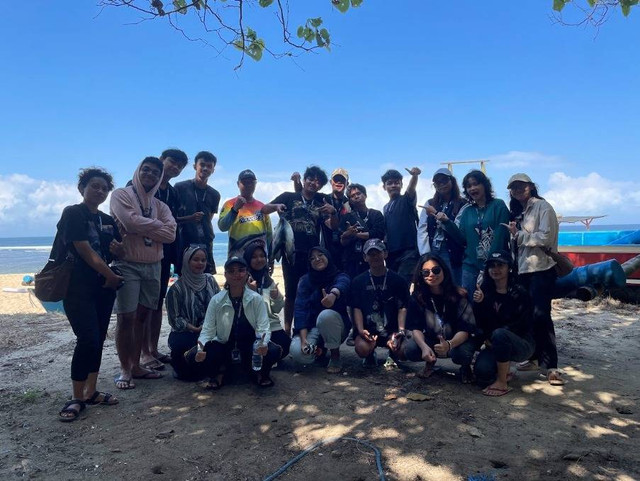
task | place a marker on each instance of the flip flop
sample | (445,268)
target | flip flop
(335,366)
(108,399)
(155,365)
(555,378)
(75,413)
(495,392)
(527,366)
(125,383)
(165,358)
(148,375)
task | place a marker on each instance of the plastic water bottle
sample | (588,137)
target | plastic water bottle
(256,359)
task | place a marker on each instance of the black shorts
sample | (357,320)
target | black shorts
(293,273)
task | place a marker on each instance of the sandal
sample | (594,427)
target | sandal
(335,366)
(104,398)
(154,365)
(555,378)
(75,412)
(495,391)
(123,383)
(148,375)
(165,358)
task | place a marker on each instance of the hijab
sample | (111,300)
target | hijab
(321,279)
(261,277)
(197,282)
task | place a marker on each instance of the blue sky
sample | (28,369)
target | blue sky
(416,82)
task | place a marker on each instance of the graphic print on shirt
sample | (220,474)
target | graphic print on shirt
(303,217)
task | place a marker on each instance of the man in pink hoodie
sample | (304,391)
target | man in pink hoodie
(145,224)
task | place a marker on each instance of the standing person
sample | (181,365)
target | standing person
(259,280)
(339,184)
(401,219)
(307,211)
(146,224)
(187,302)
(503,311)
(379,299)
(477,227)
(534,230)
(321,319)
(242,216)
(92,238)
(356,228)
(441,319)
(235,319)
(173,161)
(198,202)
(431,235)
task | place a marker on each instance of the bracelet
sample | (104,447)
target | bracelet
(335,291)
(449,343)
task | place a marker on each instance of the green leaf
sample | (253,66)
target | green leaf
(558,5)
(592,3)
(324,33)
(300,31)
(255,51)
(319,40)
(239,44)
(181,6)
(626,9)
(251,34)
(342,5)
(315,22)
(356,3)
(265,3)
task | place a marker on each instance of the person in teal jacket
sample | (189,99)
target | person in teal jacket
(481,227)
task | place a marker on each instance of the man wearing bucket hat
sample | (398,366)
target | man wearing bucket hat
(242,216)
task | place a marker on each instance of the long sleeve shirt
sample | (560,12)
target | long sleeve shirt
(538,233)
(218,320)
(187,306)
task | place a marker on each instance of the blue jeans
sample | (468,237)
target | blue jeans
(505,346)
(469,280)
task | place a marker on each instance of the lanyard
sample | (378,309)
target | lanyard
(364,221)
(145,212)
(237,314)
(480,219)
(437,314)
(384,282)
(168,194)
(195,193)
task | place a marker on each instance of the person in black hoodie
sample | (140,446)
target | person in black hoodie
(503,312)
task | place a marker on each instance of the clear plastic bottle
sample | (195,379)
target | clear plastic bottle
(256,359)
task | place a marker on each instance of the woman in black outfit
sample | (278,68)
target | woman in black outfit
(92,239)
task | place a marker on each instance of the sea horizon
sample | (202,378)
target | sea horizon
(28,255)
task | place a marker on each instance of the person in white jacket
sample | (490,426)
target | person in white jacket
(235,319)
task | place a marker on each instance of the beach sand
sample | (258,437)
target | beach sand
(166,429)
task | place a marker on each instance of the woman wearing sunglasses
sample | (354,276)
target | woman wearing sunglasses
(441,319)
(321,321)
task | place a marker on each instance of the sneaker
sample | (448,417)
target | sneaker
(527,366)
(371,360)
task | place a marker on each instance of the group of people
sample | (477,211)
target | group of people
(464,277)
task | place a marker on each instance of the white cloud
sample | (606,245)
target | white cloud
(515,159)
(593,195)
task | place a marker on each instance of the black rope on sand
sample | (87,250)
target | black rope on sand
(297,458)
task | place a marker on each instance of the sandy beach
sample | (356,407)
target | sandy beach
(167,430)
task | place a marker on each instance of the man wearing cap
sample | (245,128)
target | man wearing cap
(339,181)
(356,228)
(198,203)
(242,216)
(401,219)
(432,237)
(379,298)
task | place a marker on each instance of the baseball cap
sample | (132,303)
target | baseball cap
(374,244)
(246,174)
(442,171)
(342,172)
(519,178)
(500,256)
(235,260)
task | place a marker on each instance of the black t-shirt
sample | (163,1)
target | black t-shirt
(401,219)
(379,306)
(193,199)
(77,223)
(304,217)
(440,317)
(371,221)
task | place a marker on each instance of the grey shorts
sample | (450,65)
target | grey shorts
(141,286)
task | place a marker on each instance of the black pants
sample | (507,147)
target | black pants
(505,346)
(179,343)
(540,286)
(89,312)
(461,355)
(219,357)
(282,339)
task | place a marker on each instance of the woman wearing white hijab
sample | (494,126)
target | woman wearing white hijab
(187,302)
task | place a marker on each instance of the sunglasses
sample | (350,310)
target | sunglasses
(427,272)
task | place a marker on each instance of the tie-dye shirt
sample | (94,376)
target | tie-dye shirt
(245,226)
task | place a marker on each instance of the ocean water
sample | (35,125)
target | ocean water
(28,255)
